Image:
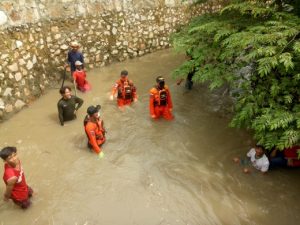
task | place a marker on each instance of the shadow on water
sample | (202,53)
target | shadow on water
(154,172)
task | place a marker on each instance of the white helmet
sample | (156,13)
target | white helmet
(78,63)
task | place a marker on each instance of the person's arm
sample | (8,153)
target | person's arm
(179,81)
(79,102)
(92,139)
(249,153)
(60,113)
(9,187)
(113,91)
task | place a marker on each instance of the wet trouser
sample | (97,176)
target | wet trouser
(123,102)
(163,111)
(24,204)
(188,84)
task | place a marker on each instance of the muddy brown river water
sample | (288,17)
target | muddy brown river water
(154,172)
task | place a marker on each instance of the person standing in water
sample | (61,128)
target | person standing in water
(68,105)
(160,100)
(14,179)
(94,129)
(125,89)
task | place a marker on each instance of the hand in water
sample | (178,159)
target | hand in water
(153,116)
(135,100)
(111,97)
(100,155)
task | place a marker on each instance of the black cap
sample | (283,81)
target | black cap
(93,109)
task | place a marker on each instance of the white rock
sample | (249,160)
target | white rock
(18,76)
(7,92)
(22,62)
(4,56)
(19,104)
(19,44)
(64,47)
(29,65)
(114,31)
(3,18)
(2,105)
(34,60)
(14,67)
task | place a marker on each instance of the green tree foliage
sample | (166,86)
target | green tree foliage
(265,37)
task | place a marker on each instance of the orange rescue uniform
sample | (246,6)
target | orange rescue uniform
(80,78)
(96,134)
(126,92)
(161,103)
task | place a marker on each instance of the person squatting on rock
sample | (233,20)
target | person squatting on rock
(125,89)
(74,55)
(257,158)
(68,105)
(14,179)
(94,129)
(79,77)
(160,100)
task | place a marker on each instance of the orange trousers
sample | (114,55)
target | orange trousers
(163,111)
(123,102)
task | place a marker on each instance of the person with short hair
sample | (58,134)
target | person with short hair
(68,105)
(79,77)
(160,100)
(257,158)
(94,129)
(14,179)
(125,89)
(74,55)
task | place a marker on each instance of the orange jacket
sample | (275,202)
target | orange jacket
(96,134)
(157,96)
(121,87)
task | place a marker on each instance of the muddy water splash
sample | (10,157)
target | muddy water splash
(177,172)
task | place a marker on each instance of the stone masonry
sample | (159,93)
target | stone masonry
(35,37)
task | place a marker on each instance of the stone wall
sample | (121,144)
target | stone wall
(34,47)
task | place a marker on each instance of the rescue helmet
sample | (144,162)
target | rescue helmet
(78,63)
(160,79)
(93,109)
(124,73)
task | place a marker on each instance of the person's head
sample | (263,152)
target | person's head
(94,111)
(9,155)
(160,82)
(74,45)
(259,150)
(65,91)
(124,74)
(78,64)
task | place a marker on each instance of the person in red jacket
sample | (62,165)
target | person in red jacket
(79,76)
(94,129)
(286,158)
(14,178)
(160,100)
(125,89)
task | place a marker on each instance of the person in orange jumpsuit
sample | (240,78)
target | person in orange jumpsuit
(125,89)
(160,100)
(79,76)
(94,129)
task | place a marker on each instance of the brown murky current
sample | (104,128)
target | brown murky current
(153,173)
